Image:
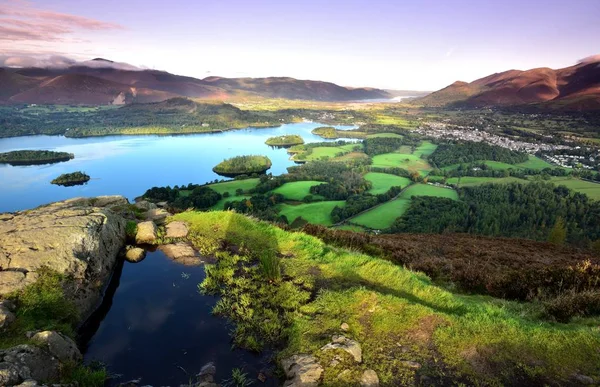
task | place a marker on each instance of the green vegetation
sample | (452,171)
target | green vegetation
(298,190)
(585,187)
(34,157)
(469,152)
(131,229)
(285,141)
(382,182)
(426,148)
(475,339)
(470,181)
(429,190)
(233,186)
(243,165)
(322,151)
(382,217)
(315,213)
(385,135)
(332,133)
(409,162)
(532,163)
(70,179)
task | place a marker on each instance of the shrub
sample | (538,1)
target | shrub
(131,229)
(573,304)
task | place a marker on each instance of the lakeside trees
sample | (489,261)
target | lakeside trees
(34,157)
(69,179)
(468,152)
(243,165)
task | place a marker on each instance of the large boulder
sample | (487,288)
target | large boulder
(147,233)
(345,344)
(24,362)
(135,254)
(302,371)
(176,230)
(75,237)
(157,215)
(6,317)
(62,347)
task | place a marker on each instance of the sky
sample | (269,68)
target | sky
(393,44)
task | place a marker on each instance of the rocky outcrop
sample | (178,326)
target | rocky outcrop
(7,316)
(78,237)
(345,344)
(157,215)
(302,371)
(60,346)
(24,362)
(147,233)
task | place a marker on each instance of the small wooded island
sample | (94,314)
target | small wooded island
(285,141)
(34,157)
(243,165)
(70,179)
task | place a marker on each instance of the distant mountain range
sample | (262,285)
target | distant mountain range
(102,82)
(571,88)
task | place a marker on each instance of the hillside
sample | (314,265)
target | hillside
(572,88)
(102,82)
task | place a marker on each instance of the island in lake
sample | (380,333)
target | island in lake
(285,141)
(70,179)
(243,165)
(34,157)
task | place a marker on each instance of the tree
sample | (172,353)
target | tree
(558,234)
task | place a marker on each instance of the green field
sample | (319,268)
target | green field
(402,160)
(232,186)
(383,216)
(221,203)
(316,213)
(297,190)
(382,182)
(349,227)
(429,190)
(426,148)
(329,151)
(585,187)
(532,163)
(470,181)
(388,135)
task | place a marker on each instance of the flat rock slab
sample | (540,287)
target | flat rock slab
(177,230)
(157,215)
(146,233)
(182,253)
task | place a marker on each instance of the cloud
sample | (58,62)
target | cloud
(590,59)
(20,21)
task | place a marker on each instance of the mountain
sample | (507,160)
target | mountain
(572,88)
(101,82)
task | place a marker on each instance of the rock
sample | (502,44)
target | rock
(157,215)
(183,253)
(302,371)
(146,233)
(162,204)
(109,201)
(345,344)
(411,364)
(31,362)
(583,379)
(145,205)
(6,317)
(135,254)
(9,374)
(77,237)
(177,229)
(345,327)
(8,304)
(207,373)
(29,383)
(62,347)
(369,378)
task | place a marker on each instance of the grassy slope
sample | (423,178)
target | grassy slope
(582,186)
(393,135)
(532,163)
(330,152)
(316,213)
(401,160)
(383,216)
(382,182)
(232,186)
(429,190)
(297,190)
(470,181)
(426,148)
(398,315)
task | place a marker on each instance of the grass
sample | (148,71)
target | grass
(429,190)
(470,181)
(382,182)
(395,314)
(234,185)
(532,163)
(315,213)
(382,217)
(321,152)
(297,190)
(220,205)
(426,148)
(386,135)
(585,187)
(349,227)
(410,162)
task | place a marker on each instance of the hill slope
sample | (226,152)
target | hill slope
(574,88)
(101,82)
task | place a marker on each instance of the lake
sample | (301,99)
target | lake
(129,165)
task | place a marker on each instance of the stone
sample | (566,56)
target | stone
(31,362)
(135,254)
(176,229)
(29,383)
(411,364)
(9,374)
(157,215)
(369,378)
(345,327)
(207,373)
(8,304)
(62,347)
(162,204)
(109,201)
(145,205)
(302,371)
(182,253)
(583,379)
(78,238)
(146,233)
(345,344)
(6,317)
